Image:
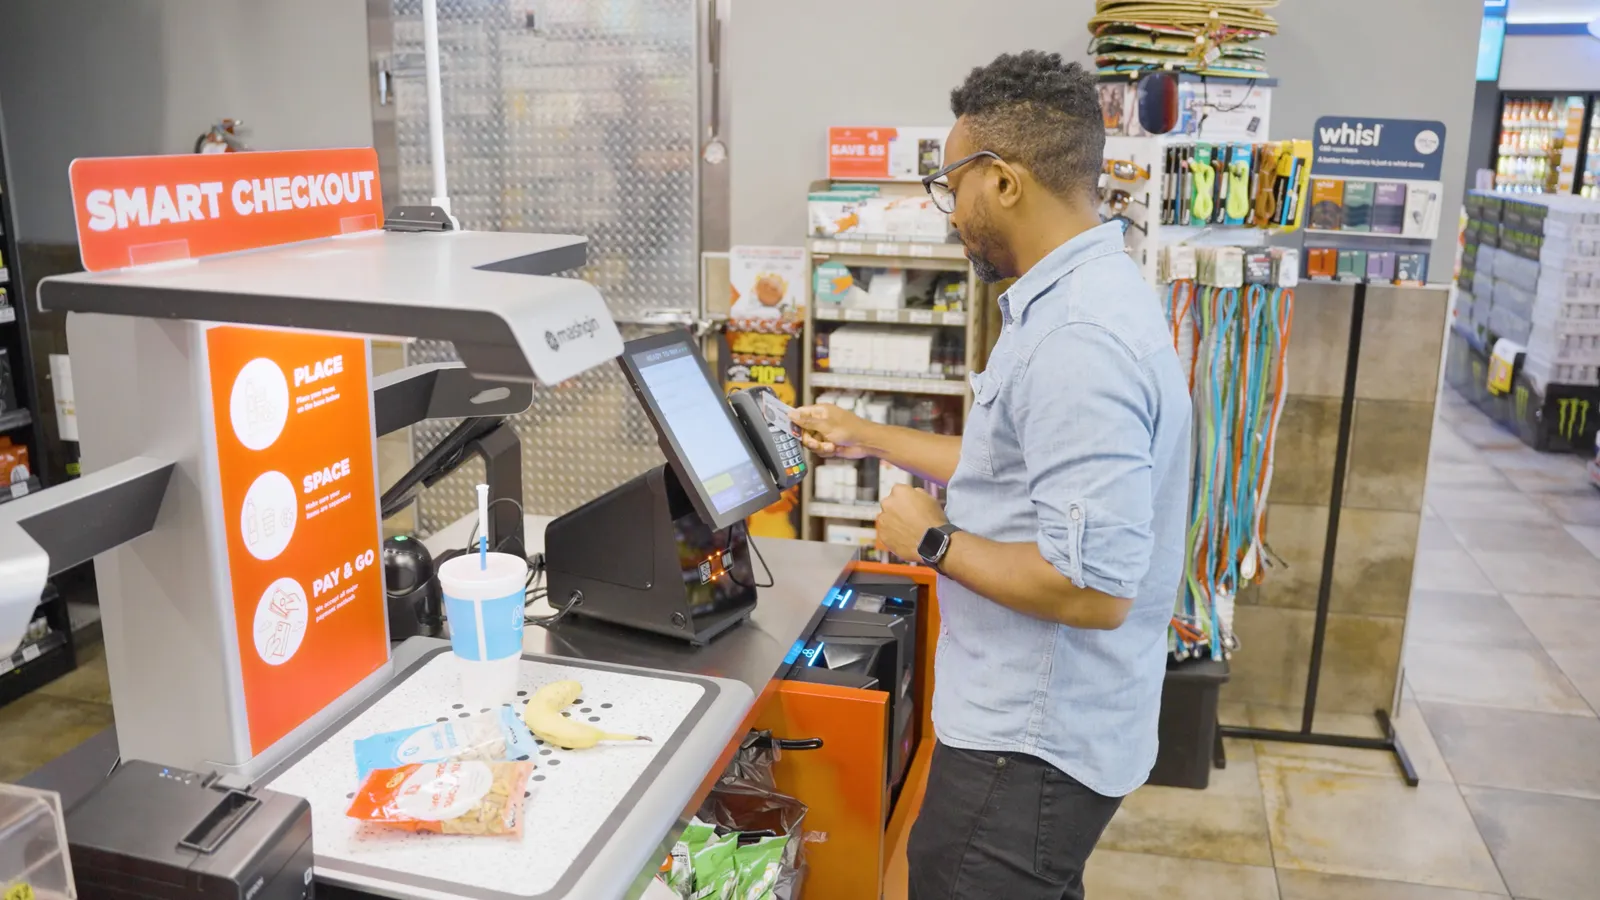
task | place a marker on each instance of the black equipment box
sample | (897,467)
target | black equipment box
(151,831)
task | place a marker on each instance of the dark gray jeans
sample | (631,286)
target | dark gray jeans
(1003,825)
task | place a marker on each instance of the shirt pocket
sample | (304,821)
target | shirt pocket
(977,439)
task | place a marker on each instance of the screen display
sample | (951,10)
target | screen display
(698,420)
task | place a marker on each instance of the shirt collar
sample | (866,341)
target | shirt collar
(1095,243)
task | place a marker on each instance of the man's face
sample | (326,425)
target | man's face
(973,218)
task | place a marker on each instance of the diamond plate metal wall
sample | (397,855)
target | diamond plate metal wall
(567,116)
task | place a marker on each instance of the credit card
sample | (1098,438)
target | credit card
(778,413)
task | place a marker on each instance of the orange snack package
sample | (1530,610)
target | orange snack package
(452,797)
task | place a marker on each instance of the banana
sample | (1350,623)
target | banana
(543,717)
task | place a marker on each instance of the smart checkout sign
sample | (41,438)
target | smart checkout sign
(290,413)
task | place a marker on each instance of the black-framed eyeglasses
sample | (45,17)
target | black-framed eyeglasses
(944,196)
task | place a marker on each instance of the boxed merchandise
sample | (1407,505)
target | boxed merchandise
(1352,265)
(1380,265)
(1327,204)
(1358,205)
(1422,210)
(1388,207)
(833,283)
(889,476)
(1411,268)
(1322,262)
(832,212)
(852,535)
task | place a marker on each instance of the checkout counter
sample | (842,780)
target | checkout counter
(246,631)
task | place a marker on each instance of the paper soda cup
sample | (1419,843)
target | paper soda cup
(484,607)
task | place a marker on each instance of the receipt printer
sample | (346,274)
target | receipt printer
(151,831)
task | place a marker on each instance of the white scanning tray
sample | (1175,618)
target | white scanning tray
(594,818)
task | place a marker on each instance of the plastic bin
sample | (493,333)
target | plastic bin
(33,845)
(1188,730)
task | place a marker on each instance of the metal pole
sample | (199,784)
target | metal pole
(430,56)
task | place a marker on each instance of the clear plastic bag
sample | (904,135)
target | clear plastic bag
(455,797)
(498,735)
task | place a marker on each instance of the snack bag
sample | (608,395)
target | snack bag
(454,797)
(680,864)
(498,735)
(715,877)
(758,866)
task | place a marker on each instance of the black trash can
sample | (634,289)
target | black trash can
(1188,731)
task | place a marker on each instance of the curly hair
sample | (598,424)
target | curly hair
(1035,110)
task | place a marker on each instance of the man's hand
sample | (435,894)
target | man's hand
(831,432)
(907,515)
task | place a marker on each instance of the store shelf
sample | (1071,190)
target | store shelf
(901,250)
(20,489)
(35,665)
(947,387)
(15,419)
(27,653)
(1375,235)
(890,316)
(861,512)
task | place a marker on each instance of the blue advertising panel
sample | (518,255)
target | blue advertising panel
(1362,147)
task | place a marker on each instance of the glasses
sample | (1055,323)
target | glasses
(1119,200)
(944,196)
(1122,170)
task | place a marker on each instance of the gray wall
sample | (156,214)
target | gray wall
(793,74)
(98,78)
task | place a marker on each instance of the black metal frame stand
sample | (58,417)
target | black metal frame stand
(1390,742)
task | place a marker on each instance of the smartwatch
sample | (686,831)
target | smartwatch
(935,544)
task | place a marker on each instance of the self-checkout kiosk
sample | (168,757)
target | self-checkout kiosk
(230,501)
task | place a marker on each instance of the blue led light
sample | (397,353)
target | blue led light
(815,653)
(795,651)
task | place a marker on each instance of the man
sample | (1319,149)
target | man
(1064,543)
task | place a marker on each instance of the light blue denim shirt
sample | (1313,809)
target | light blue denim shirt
(1078,440)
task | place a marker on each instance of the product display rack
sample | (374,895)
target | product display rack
(882,252)
(41,661)
(1539,143)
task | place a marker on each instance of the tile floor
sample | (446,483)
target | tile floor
(1499,716)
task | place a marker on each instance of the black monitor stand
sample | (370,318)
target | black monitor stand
(640,556)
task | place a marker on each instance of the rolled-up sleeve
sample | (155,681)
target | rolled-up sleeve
(1084,420)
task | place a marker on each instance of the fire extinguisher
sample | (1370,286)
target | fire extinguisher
(223,137)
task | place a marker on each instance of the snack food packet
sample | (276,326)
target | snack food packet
(715,877)
(680,875)
(758,866)
(453,797)
(498,735)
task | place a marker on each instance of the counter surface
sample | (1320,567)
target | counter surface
(802,573)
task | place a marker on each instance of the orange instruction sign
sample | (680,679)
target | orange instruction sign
(294,454)
(134,210)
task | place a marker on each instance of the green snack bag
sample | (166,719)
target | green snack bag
(681,876)
(758,866)
(715,877)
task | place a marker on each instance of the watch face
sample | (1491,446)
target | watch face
(933,544)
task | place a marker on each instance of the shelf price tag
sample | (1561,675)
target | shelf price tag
(921,317)
(955,318)
(925,250)
(851,247)
(888,250)
(30,653)
(855,315)
(888,315)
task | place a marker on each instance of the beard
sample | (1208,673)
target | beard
(983,247)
